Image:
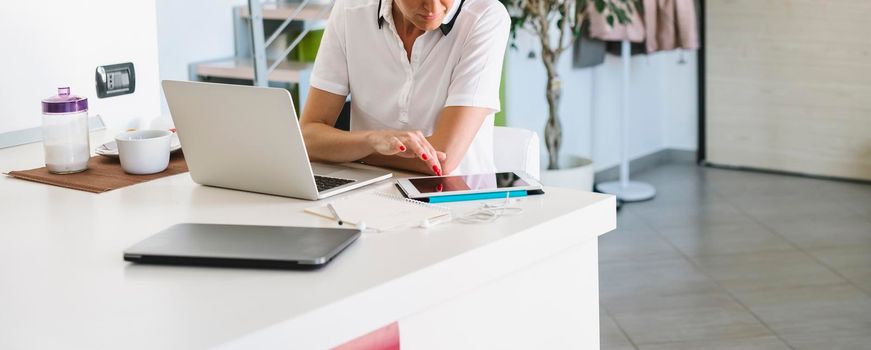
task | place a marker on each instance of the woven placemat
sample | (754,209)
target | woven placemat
(103,174)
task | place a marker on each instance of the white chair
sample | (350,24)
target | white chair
(516,149)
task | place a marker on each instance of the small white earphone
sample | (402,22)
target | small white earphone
(425,223)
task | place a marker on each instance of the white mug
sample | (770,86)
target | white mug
(144,151)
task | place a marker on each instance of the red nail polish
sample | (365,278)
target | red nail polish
(435,168)
(424,156)
(401,148)
(439,188)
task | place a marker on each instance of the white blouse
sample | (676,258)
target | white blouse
(459,64)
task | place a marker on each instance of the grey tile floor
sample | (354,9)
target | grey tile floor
(726,259)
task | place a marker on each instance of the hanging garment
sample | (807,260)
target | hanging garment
(600,29)
(670,24)
(587,52)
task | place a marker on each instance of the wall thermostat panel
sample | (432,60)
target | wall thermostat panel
(115,80)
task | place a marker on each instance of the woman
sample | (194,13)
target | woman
(424,80)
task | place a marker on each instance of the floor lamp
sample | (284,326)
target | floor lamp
(625,190)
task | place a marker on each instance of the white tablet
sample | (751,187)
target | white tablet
(423,188)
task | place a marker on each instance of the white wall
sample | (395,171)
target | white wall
(662,112)
(682,120)
(191,31)
(52,43)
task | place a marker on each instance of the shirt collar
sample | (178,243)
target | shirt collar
(384,13)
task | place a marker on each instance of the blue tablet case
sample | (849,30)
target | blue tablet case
(476,196)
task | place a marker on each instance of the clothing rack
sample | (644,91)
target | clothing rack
(624,189)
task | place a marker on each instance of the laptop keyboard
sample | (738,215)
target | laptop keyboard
(325,183)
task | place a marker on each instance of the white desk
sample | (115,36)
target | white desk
(523,282)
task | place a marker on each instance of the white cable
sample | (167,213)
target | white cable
(489,212)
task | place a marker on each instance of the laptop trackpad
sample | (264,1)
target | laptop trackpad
(328,169)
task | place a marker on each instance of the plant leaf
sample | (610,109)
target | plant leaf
(600,5)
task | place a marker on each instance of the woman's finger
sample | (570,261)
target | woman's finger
(416,148)
(407,147)
(396,145)
(391,146)
(435,163)
(422,152)
(426,149)
(435,159)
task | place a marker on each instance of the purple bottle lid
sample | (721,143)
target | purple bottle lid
(64,102)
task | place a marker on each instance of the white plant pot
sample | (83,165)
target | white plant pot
(574,172)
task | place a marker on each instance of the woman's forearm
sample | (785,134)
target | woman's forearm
(323,142)
(328,144)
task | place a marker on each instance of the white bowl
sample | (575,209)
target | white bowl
(144,151)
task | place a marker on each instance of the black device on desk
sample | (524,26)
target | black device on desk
(283,247)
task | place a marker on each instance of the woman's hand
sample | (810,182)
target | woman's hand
(407,144)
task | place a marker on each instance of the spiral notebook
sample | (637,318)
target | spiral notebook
(382,211)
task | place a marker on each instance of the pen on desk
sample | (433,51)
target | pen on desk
(333,211)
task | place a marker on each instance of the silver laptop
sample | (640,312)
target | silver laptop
(242,246)
(248,138)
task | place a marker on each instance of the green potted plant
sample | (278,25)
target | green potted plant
(560,19)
